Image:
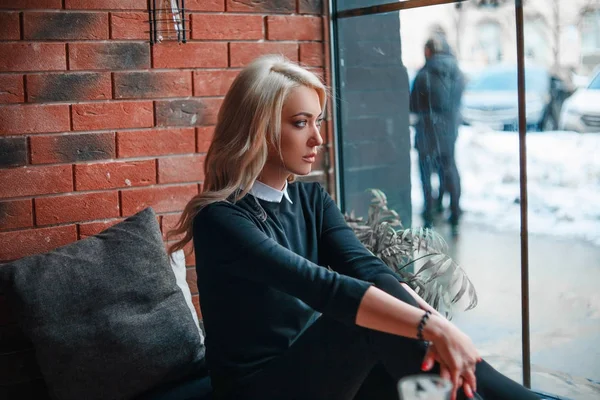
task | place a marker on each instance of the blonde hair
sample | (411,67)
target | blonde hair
(248,122)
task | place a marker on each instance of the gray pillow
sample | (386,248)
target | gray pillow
(105,315)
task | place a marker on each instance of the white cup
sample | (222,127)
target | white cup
(424,387)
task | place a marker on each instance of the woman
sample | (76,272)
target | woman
(279,323)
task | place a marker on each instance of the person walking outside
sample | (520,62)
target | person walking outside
(435,98)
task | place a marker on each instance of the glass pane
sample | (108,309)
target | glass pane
(564,193)
(467,165)
(379,62)
(375,140)
(473,73)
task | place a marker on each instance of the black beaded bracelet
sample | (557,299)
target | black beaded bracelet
(422,324)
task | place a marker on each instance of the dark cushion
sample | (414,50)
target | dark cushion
(104,314)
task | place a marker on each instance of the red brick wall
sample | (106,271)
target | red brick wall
(96,124)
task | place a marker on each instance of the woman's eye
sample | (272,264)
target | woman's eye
(301,124)
(319,122)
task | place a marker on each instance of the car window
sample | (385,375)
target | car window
(595,84)
(506,80)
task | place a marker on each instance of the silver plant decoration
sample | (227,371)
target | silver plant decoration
(439,280)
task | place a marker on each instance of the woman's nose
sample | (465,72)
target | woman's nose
(316,139)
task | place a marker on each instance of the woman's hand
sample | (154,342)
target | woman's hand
(455,353)
(428,363)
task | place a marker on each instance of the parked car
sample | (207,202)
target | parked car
(491,98)
(581,111)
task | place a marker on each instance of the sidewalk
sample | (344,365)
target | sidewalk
(564,306)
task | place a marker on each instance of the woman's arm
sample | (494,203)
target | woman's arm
(422,303)
(340,248)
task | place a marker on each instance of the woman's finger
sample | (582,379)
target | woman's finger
(455,379)
(469,377)
(469,392)
(445,374)
(429,359)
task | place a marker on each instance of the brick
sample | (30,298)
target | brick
(65,26)
(129,25)
(77,86)
(27,4)
(16,214)
(17,244)
(155,142)
(145,85)
(24,119)
(13,152)
(190,55)
(196,301)
(160,198)
(178,169)
(20,57)
(188,249)
(107,4)
(310,7)
(88,229)
(73,147)
(109,56)
(117,114)
(31,181)
(312,54)
(168,222)
(113,175)
(296,27)
(242,54)
(205,5)
(213,83)
(192,112)
(204,136)
(262,6)
(192,280)
(227,27)
(11,89)
(76,207)
(9,26)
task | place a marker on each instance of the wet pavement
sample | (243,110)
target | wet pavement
(564,306)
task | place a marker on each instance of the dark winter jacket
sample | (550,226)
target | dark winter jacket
(435,98)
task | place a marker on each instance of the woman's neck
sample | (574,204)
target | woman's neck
(274,179)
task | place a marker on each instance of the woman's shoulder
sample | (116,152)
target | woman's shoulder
(308,190)
(219,212)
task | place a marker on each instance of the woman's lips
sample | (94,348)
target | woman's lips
(310,158)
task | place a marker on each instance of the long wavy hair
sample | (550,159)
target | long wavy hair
(248,122)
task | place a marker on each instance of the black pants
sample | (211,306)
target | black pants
(333,361)
(445,164)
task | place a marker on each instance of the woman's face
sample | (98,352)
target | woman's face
(300,137)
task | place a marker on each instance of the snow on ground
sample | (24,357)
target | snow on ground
(563,181)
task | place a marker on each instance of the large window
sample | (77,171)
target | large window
(384,141)
(590,34)
(590,31)
(488,46)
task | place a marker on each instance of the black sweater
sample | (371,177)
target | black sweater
(263,281)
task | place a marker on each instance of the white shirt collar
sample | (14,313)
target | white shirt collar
(267,193)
